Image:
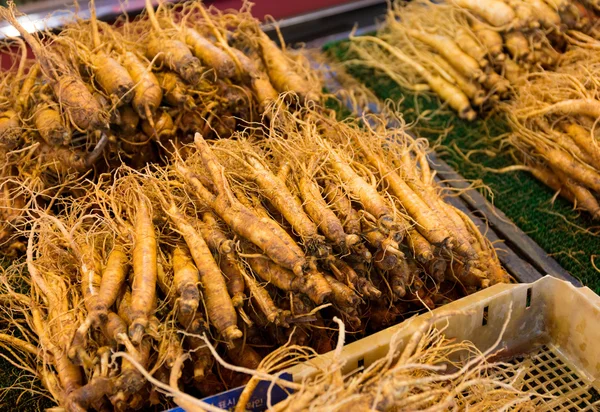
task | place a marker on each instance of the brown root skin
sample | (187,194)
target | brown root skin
(491,39)
(382,242)
(400,279)
(495,12)
(243,355)
(452,95)
(215,238)
(261,231)
(446,47)
(210,54)
(235,280)
(549,178)
(10,130)
(161,128)
(421,248)
(572,107)
(469,277)
(64,159)
(24,97)
(259,79)
(581,137)
(91,393)
(345,274)
(436,268)
(263,300)
(112,77)
(50,126)
(469,45)
(124,306)
(512,71)
(517,45)
(584,198)
(278,194)
(131,381)
(561,160)
(316,207)
(250,65)
(525,17)
(470,88)
(81,107)
(223,247)
(113,278)
(176,56)
(129,120)
(113,327)
(175,91)
(143,289)
(147,94)
(343,207)
(370,199)
(547,17)
(426,222)
(315,286)
(69,374)
(221,312)
(71,92)
(312,283)
(282,74)
(343,296)
(185,280)
(190,122)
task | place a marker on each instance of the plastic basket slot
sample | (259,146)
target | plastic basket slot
(485,317)
(528,299)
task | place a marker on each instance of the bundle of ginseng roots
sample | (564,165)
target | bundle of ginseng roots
(471,54)
(254,241)
(99,95)
(554,128)
(422,370)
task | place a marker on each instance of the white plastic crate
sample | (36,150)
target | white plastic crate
(553,334)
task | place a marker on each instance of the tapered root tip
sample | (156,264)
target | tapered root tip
(479,98)
(136,331)
(399,291)
(352,240)
(226,247)
(232,333)
(188,306)
(199,374)
(238,300)
(316,287)
(198,139)
(468,114)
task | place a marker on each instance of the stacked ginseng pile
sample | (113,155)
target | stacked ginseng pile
(473,53)
(99,95)
(256,241)
(242,243)
(539,57)
(554,119)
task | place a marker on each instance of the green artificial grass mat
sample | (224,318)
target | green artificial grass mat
(566,235)
(13,380)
